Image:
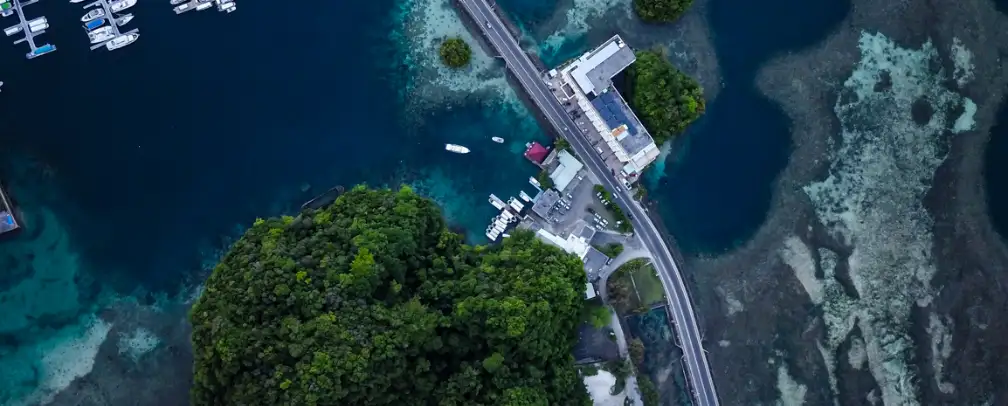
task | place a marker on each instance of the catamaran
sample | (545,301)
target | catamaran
(458,149)
(498,140)
(93,14)
(121,41)
(121,5)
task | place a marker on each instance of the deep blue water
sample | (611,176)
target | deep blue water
(995,165)
(717,193)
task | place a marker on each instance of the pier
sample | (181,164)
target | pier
(113,20)
(30,29)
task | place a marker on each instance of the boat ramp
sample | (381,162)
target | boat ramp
(30,28)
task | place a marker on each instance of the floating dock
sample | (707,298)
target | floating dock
(30,29)
(8,221)
(112,19)
(510,213)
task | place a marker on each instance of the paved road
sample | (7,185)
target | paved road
(697,368)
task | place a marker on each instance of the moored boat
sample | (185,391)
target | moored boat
(458,149)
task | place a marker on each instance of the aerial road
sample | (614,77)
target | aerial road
(697,369)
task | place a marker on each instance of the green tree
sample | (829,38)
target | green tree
(544,180)
(636,349)
(661,11)
(455,52)
(560,144)
(649,393)
(380,304)
(665,99)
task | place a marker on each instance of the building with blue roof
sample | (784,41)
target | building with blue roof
(591,75)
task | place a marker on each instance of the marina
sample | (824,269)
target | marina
(182,6)
(109,36)
(511,212)
(30,29)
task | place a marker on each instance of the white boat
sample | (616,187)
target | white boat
(121,41)
(124,19)
(121,5)
(498,140)
(524,196)
(231,8)
(203,6)
(36,28)
(225,4)
(458,149)
(101,35)
(180,9)
(14,29)
(93,14)
(76,1)
(177,2)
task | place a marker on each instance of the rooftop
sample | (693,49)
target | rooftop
(566,170)
(536,152)
(544,202)
(594,70)
(626,127)
(594,260)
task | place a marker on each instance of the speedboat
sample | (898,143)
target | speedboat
(121,5)
(124,19)
(101,35)
(231,8)
(225,4)
(91,25)
(182,8)
(203,6)
(498,140)
(458,149)
(177,2)
(121,41)
(93,14)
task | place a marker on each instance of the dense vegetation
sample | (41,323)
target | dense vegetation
(664,98)
(560,144)
(545,181)
(455,52)
(660,11)
(596,314)
(372,301)
(649,393)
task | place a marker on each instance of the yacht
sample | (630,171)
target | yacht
(498,140)
(101,35)
(93,14)
(177,2)
(121,5)
(458,149)
(203,6)
(121,41)
(124,19)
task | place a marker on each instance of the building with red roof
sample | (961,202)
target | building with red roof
(536,153)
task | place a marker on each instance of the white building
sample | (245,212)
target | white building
(566,171)
(590,77)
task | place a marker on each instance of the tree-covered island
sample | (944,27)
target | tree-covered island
(665,99)
(455,52)
(660,11)
(373,301)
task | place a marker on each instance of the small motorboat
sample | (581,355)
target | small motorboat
(121,41)
(498,140)
(124,19)
(93,14)
(94,24)
(177,2)
(121,5)
(458,149)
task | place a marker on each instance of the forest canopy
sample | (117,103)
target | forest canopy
(373,301)
(455,52)
(660,11)
(665,99)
